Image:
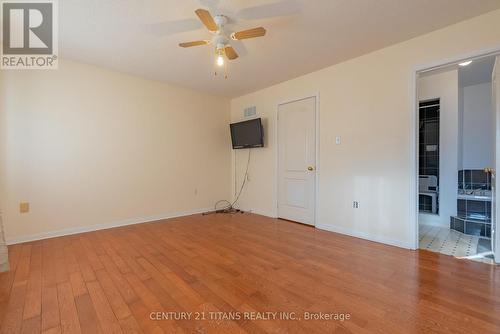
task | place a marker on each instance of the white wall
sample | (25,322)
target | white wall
(87,146)
(477,127)
(368,101)
(444,86)
(460,126)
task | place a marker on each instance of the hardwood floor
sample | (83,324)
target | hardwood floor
(111,281)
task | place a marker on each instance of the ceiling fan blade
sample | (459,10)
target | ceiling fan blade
(230,52)
(195,43)
(250,33)
(207,19)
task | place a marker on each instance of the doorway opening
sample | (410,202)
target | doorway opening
(428,156)
(457,159)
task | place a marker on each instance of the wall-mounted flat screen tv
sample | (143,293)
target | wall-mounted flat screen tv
(247,134)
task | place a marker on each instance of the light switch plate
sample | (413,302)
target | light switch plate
(338,140)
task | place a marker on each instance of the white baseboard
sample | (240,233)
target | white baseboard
(366,236)
(141,220)
(349,232)
(4,267)
(90,228)
(262,213)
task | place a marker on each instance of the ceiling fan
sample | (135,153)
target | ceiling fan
(221,36)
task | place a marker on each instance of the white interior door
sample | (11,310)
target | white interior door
(495,231)
(297,160)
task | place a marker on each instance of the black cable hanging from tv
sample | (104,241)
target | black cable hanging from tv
(230,207)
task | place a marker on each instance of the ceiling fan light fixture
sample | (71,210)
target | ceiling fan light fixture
(219,52)
(220,60)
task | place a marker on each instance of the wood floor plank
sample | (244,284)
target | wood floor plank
(61,270)
(83,263)
(173,285)
(119,281)
(77,284)
(107,318)
(115,299)
(49,299)
(89,323)
(13,319)
(90,252)
(55,330)
(23,267)
(113,255)
(70,260)
(7,280)
(130,326)
(50,308)
(67,308)
(150,300)
(114,281)
(33,302)
(142,314)
(32,325)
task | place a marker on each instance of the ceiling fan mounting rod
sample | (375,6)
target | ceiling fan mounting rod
(220,21)
(219,40)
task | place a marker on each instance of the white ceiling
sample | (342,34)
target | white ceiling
(479,71)
(141,37)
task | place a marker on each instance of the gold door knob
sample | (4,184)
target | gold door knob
(310,168)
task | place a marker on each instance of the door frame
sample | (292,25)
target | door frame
(317,155)
(496,106)
(413,219)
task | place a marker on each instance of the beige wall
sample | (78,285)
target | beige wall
(88,147)
(368,101)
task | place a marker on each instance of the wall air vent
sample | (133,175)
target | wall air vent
(250,112)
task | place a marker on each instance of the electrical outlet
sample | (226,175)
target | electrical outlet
(355,205)
(24,207)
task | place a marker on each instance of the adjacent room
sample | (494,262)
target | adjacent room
(456,158)
(237,166)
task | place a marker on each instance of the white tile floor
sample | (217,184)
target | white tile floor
(449,242)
